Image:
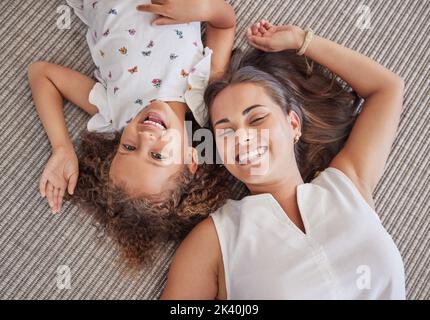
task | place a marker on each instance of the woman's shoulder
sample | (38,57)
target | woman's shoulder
(335,179)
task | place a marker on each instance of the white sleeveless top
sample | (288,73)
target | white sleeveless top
(137,62)
(345,254)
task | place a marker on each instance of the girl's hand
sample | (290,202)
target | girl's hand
(270,38)
(179,11)
(61,173)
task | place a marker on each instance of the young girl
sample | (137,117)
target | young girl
(139,173)
(297,236)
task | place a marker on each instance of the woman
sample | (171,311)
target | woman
(293,240)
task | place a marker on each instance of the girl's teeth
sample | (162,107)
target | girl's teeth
(154,123)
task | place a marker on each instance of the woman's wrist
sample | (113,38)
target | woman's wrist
(299,38)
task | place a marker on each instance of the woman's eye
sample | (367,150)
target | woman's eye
(129,147)
(158,156)
(225,132)
(258,119)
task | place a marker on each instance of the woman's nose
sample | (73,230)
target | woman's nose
(246,136)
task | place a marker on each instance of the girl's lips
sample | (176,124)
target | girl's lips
(155,120)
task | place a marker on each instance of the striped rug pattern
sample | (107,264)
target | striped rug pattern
(36,246)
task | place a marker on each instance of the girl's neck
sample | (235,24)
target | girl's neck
(179,108)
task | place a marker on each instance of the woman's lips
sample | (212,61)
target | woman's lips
(251,157)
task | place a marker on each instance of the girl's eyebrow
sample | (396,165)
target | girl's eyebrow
(244,113)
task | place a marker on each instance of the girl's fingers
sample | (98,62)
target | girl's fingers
(42,186)
(73,180)
(55,199)
(50,194)
(60,198)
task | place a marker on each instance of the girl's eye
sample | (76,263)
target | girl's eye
(129,147)
(158,156)
(258,119)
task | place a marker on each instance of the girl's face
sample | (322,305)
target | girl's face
(254,136)
(153,151)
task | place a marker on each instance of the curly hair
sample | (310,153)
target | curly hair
(327,107)
(138,225)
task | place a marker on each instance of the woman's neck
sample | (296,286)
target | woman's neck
(284,191)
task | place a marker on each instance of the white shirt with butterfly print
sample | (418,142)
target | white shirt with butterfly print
(137,62)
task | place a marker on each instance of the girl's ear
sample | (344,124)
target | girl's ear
(193,162)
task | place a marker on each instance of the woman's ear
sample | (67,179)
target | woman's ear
(294,121)
(193,160)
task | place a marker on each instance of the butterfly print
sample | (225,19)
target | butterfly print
(133,70)
(150,44)
(113,11)
(106,33)
(184,73)
(139,102)
(146,53)
(115,90)
(173,56)
(123,50)
(179,33)
(131,32)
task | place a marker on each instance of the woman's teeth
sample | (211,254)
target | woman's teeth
(249,157)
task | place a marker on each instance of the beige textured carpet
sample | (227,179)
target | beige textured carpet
(33,243)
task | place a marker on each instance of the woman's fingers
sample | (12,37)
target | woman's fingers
(255,28)
(163,21)
(153,8)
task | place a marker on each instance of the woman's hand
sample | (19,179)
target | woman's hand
(216,12)
(60,174)
(270,38)
(178,11)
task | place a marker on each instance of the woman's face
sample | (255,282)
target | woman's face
(153,151)
(254,136)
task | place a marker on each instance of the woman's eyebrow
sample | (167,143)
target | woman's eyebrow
(244,113)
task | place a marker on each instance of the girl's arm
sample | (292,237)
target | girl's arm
(366,151)
(49,84)
(194,269)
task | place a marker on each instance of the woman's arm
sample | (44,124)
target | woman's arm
(220,30)
(366,151)
(193,272)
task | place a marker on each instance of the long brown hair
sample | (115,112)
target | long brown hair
(138,225)
(326,107)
